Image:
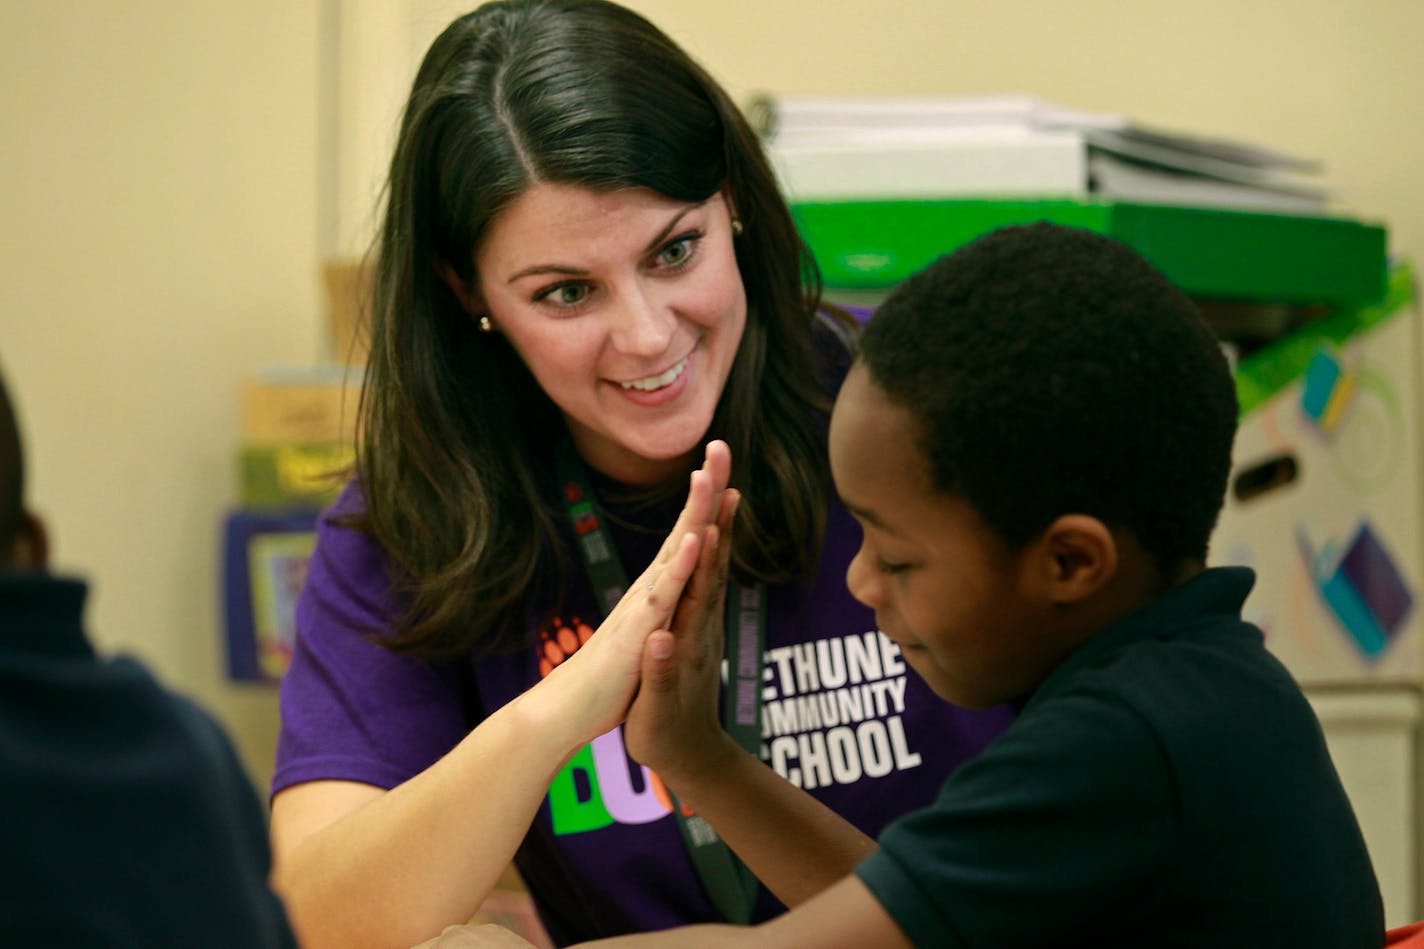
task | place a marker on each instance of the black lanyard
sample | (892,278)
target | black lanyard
(729,884)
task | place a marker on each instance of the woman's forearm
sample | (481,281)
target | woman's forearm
(407,863)
(396,868)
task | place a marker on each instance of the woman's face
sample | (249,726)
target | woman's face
(627,307)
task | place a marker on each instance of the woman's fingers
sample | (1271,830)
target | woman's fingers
(717,463)
(705,489)
(664,583)
(696,512)
(710,503)
(703,594)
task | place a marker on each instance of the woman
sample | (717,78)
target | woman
(585,273)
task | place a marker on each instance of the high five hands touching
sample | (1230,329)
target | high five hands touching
(655,664)
(669,617)
(656,658)
(672,726)
(450,853)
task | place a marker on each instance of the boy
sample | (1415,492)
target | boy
(1036,441)
(128,818)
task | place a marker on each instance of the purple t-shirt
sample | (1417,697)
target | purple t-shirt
(843,717)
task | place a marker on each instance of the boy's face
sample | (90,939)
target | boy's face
(941,584)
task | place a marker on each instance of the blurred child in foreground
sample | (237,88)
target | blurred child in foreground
(129,820)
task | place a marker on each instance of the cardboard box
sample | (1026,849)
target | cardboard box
(301,407)
(348,294)
(286,476)
(1325,498)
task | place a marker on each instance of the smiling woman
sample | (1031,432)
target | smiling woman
(627,308)
(585,276)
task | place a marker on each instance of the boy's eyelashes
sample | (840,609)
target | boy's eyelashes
(891,566)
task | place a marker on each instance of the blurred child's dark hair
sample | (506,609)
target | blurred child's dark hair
(12,474)
(1055,371)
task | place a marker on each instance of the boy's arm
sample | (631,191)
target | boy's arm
(846,916)
(797,846)
(792,842)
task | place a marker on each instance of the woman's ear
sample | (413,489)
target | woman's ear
(732,213)
(1078,557)
(465,292)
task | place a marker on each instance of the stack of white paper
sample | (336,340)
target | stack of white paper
(1015,146)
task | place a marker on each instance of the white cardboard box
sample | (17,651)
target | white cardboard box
(1325,499)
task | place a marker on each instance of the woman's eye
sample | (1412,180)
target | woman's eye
(565,294)
(678,252)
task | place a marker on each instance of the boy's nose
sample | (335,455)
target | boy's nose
(862,580)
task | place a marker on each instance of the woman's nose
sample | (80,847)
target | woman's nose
(642,325)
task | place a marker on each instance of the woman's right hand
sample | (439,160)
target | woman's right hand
(595,686)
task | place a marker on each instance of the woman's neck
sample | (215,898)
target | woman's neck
(626,467)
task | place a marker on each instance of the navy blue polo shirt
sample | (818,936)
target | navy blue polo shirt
(1168,785)
(128,819)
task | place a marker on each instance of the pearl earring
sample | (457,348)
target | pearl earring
(485,325)
(737,227)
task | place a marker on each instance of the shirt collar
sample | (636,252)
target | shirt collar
(1217,591)
(42,613)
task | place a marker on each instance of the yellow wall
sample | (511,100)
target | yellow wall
(174,170)
(1342,82)
(158,218)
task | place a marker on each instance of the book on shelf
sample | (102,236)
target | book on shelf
(1017,146)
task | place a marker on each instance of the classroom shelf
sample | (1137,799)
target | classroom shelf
(1209,253)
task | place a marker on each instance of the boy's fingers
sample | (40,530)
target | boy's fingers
(730,499)
(726,517)
(659,672)
(691,619)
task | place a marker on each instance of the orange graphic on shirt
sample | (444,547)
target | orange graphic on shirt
(560,641)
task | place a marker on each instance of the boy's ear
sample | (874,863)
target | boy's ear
(1078,556)
(465,292)
(29,549)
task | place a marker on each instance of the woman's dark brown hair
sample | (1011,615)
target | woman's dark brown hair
(456,437)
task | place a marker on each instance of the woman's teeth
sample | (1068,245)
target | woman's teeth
(657,382)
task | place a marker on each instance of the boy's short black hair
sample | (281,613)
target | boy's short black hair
(1055,371)
(12,473)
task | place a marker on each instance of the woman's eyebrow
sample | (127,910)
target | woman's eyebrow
(565,270)
(662,235)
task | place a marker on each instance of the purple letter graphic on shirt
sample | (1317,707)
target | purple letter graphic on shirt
(596,789)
